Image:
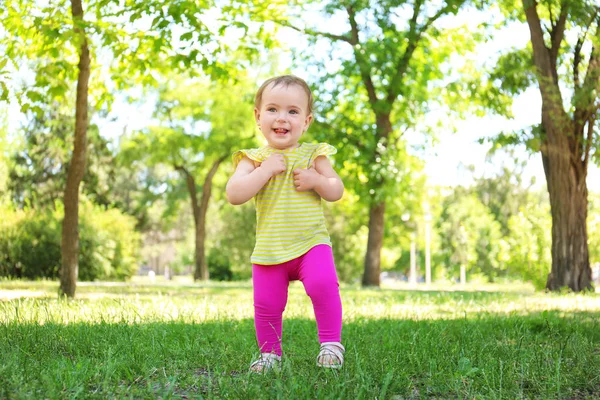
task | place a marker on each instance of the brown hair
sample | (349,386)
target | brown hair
(286,80)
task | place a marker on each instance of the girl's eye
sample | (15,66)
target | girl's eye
(293,112)
(271,109)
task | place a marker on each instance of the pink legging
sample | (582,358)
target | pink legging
(316,271)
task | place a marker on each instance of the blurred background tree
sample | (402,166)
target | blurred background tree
(388,79)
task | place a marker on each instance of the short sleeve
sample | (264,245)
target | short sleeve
(258,155)
(322,149)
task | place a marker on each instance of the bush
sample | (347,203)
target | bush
(530,244)
(109,244)
(219,267)
(29,244)
(30,241)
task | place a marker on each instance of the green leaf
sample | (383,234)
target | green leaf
(135,16)
(163,24)
(34,96)
(3,92)
(57,91)
(187,36)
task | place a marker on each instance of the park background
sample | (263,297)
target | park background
(435,109)
(460,171)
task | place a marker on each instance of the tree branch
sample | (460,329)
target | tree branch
(414,36)
(578,46)
(588,143)
(585,105)
(402,64)
(363,65)
(191,185)
(312,32)
(352,38)
(550,91)
(558,33)
(353,24)
(440,12)
(206,188)
(416,11)
(577,61)
(592,75)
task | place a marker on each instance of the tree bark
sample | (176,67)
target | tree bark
(376,216)
(568,193)
(70,232)
(199,210)
(374,245)
(564,158)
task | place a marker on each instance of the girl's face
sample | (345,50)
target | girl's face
(282,116)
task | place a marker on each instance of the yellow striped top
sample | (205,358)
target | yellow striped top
(288,223)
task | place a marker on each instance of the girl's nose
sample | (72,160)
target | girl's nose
(282,116)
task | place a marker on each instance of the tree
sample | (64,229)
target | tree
(37,33)
(529,240)
(567,139)
(564,61)
(378,83)
(504,193)
(199,210)
(469,235)
(70,234)
(201,123)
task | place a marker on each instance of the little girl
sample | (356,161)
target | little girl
(288,180)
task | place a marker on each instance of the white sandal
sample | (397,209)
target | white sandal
(331,355)
(266,362)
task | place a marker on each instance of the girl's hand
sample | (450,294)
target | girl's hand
(274,164)
(306,179)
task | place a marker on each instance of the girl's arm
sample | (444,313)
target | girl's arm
(330,187)
(247,180)
(322,179)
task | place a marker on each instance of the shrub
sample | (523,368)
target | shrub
(29,244)
(219,266)
(30,241)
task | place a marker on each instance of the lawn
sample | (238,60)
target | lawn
(186,340)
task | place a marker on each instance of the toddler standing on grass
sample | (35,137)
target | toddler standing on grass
(288,179)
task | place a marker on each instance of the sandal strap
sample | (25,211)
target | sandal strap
(332,349)
(266,361)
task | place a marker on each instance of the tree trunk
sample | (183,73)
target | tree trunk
(70,233)
(376,215)
(565,157)
(568,193)
(199,210)
(374,245)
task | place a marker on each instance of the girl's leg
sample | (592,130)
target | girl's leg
(317,273)
(270,283)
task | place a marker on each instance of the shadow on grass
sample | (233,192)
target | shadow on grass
(540,355)
(10,290)
(15,289)
(92,290)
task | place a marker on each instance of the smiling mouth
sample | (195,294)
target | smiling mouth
(280,131)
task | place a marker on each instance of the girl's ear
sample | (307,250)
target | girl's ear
(307,122)
(257,115)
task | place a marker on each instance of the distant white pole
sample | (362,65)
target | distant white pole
(413,259)
(428,249)
(463,267)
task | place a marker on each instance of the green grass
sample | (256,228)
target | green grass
(184,340)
